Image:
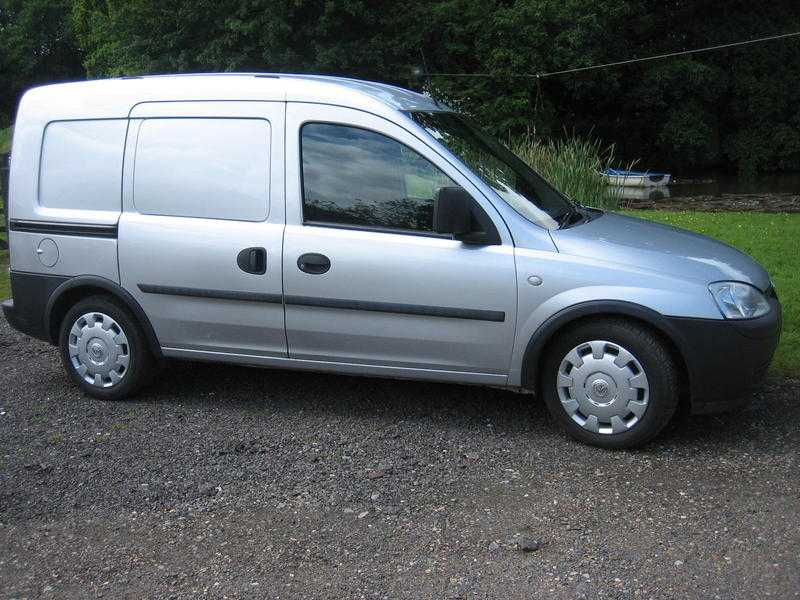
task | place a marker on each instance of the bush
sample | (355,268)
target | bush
(5,140)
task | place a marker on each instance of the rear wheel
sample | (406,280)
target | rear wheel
(611,383)
(104,350)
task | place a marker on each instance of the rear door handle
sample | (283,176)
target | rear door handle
(313,263)
(253,260)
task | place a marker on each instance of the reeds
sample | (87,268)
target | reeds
(574,166)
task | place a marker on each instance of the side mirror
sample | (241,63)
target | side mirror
(451,213)
(457,213)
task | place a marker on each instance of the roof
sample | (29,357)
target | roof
(114,98)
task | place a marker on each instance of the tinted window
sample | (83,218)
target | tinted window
(209,168)
(357,177)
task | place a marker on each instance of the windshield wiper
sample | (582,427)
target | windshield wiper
(570,217)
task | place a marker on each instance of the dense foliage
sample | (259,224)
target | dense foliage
(735,108)
(37,46)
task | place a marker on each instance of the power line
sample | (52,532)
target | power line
(622,62)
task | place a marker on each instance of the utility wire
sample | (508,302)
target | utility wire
(621,62)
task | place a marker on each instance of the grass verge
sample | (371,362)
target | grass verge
(5,140)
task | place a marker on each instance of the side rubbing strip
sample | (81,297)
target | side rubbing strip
(79,229)
(203,293)
(388,307)
(403,309)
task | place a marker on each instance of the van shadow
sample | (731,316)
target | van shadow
(344,397)
(765,425)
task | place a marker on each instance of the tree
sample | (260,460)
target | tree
(36,46)
(146,36)
(732,108)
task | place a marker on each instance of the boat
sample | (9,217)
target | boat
(620,177)
(643,194)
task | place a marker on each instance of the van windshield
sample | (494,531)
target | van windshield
(501,169)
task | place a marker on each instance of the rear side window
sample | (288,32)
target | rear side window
(354,176)
(207,168)
(81,165)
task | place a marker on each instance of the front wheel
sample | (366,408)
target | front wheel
(611,383)
(104,350)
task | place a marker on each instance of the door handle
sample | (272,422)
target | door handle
(313,263)
(253,260)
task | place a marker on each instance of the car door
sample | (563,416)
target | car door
(201,233)
(367,281)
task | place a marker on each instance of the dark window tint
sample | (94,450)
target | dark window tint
(357,177)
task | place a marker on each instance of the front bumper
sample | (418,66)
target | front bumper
(726,359)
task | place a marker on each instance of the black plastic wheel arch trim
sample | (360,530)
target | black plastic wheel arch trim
(472,314)
(115,290)
(705,347)
(544,334)
(77,229)
(168,290)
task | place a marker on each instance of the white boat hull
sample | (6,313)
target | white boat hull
(638,180)
(652,193)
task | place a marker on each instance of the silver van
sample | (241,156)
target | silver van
(337,225)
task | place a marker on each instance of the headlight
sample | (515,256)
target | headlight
(739,300)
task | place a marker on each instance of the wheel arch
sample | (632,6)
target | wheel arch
(83,286)
(549,330)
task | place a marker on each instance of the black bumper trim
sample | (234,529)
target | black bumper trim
(726,359)
(30,296)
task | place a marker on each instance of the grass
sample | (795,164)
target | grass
(5,140)
(771,239)
(573,166)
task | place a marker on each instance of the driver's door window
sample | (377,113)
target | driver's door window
(354,176)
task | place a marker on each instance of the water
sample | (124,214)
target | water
(725,183)
(717,192)
(772,193)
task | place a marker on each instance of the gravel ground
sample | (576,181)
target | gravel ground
(228,482)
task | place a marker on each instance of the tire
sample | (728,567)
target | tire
(100,340)
(610,383)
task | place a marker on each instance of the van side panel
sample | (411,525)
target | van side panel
(73,254)
(67,197)
(203,193)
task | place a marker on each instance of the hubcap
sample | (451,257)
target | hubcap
(99,350)
(603,387)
